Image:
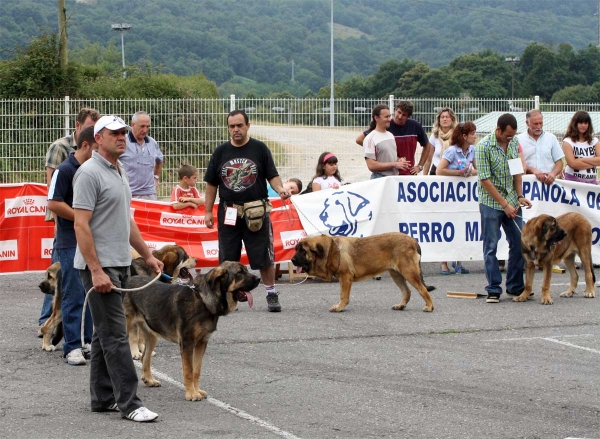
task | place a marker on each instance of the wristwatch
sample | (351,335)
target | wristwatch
(519,197)
(420,167)
(156,177)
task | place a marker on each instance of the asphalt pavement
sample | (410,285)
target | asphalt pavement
(467,370)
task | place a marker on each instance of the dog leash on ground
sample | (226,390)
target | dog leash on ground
(125,290)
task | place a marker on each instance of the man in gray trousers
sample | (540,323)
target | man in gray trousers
(105,231)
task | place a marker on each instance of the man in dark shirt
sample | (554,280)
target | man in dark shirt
(60,202)
(240,169)
(406,133)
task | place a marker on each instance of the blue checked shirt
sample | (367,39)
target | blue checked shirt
(492,164)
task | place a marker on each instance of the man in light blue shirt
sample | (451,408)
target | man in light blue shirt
(143,159)
(542,152)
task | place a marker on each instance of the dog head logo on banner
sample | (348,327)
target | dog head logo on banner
(343,211)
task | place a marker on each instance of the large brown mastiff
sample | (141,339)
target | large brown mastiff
(546,241)
(186,315)
(355,259)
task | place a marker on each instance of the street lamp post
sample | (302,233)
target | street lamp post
(332,91)
(122,28)
(512,61)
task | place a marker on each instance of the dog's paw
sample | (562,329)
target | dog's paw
(589,294)
(428,308)
(547,300)
(521,298)
(399,307)
(336,308)
(151,381)
(567,293)
(49,348)
(136,355)
(195,396)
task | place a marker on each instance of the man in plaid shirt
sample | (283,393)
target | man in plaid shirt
(500,202)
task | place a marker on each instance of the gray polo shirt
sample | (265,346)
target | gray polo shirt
(100,187)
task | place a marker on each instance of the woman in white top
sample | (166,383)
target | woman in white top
(441,136)
(327,175)
(580,148)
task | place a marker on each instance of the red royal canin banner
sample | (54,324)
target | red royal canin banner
(26,239)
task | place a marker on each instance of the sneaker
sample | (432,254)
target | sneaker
(493,298)
(462,270)
(515,293)
(75,358)
(142,415)
(87,351)
(377,277)
(111,408)
(273,303)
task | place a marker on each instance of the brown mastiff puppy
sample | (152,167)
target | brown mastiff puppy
(355,259)
(52,329)
(186,315)
(546,241)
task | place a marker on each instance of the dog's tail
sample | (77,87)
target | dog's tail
(429,287)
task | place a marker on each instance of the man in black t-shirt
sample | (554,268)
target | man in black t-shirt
(406,133)
(240,170)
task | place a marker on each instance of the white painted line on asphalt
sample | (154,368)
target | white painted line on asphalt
(223,405)
(571,345)
(541,338)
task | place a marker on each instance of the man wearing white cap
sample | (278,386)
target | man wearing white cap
(105,231)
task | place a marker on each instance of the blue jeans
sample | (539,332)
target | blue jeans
(46,311)
(72,302)
(491,221)
(375,175)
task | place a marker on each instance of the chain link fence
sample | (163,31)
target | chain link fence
(188,130)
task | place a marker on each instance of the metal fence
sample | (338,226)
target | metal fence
(188,130)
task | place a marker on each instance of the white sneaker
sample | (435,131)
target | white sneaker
(142,415)
(75,358)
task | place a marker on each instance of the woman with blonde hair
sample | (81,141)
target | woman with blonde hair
(441,137)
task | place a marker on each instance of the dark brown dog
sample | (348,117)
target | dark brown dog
(177,263)
(52,330)
(355,259)
(546,241)
(186,315)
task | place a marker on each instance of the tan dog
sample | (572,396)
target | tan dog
(546,241)
(52,330)
(186,316)
(355,259)
(177,263)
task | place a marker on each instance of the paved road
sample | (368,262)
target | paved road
(467,370)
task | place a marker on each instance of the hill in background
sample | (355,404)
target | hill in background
(252,44)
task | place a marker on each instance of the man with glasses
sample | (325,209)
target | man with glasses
(105,231)
(407,132)
(143,159)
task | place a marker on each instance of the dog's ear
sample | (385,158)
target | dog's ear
(320,251)
(215,278)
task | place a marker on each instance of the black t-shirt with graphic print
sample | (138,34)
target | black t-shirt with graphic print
(241,172)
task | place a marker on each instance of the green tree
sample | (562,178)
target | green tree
(35,72)
(544,72)
(578,93)
(407,84)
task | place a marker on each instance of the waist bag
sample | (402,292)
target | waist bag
(254,213)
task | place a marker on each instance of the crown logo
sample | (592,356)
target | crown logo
(152,245)
(28,201)
(187,216)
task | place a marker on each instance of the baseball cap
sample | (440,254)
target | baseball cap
(110,122)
